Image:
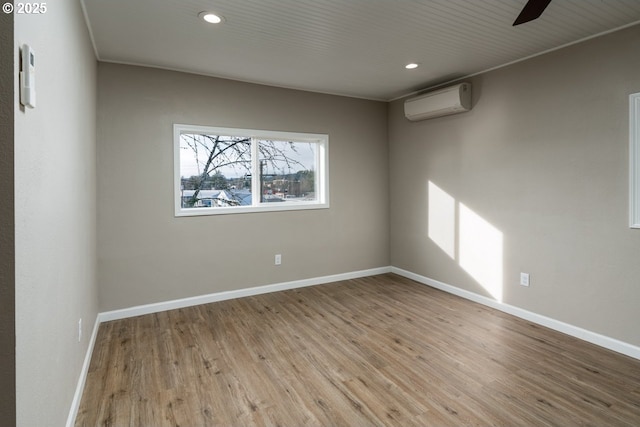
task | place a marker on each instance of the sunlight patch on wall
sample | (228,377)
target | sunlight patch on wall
(480,244)
(480,251)
(442,219)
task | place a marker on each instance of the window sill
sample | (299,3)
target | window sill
(277,207)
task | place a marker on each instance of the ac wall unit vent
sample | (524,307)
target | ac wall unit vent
(451,100)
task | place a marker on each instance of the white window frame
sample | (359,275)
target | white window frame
(634,160)
(321,174)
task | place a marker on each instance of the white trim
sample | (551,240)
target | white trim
(634,160)
(240,80)
(192,301)
(344,94)
(256,191)
(497,67)
(583,334)
(592,337)
(236,210)
(89,29)
(75,404)
(239,293)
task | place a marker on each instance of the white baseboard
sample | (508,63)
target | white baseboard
(592,337)
(221,296)
(188,302)
(583,334)
(75,404)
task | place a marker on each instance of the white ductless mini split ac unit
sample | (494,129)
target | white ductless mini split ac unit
(451,100)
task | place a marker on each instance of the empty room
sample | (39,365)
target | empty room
(323,213)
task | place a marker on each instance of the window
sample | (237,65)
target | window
(634,154)
(227,170)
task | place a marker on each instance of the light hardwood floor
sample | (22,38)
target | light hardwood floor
(381,350)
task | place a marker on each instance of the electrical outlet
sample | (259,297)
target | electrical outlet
(278,259)
(80,329)
(524,279)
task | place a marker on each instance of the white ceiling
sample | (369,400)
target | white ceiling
(347,47)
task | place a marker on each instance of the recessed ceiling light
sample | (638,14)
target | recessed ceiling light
(411,66)
(211,17)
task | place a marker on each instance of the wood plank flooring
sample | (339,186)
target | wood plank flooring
(381,350)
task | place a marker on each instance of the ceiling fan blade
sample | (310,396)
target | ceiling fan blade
(532,10)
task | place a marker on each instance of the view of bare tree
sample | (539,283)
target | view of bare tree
(215,153)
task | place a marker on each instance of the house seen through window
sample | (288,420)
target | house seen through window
(227,170)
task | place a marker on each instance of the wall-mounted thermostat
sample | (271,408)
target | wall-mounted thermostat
(28,77)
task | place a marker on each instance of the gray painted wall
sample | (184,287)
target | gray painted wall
(55,210)
(542,159)
(147,255)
